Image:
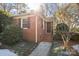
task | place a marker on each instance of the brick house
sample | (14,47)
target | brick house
(35,28)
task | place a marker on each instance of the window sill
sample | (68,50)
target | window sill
(24,28)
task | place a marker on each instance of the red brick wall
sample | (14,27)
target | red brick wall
(30,33)
(42,34)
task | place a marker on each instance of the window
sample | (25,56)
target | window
(25,23)
(48,27)
(19,24)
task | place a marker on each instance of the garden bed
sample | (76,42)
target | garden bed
(57,49)
(21,48)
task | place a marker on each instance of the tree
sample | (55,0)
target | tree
(48,9)
(20,7)
(9,33)
(68,15)
(3,6)
(63,26)
(4,20)
(62,29)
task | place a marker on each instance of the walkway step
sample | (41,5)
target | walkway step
(42,49)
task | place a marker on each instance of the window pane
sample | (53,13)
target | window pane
(26,23)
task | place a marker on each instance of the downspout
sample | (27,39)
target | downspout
(36,39)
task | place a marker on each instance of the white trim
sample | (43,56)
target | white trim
(36,30)
(43,24)
(24,28)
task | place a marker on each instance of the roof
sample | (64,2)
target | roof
(47,19)
(21,15)
(24,14)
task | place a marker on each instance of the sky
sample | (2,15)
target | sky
(52,8)
(40,1)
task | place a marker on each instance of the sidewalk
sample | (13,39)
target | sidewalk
(6,52)
(42,49)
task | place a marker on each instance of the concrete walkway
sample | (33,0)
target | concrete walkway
(76,47)
(6,52)
(42,49)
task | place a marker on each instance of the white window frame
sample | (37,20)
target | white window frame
(22,23)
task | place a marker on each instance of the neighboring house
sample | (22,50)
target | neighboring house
(35,28)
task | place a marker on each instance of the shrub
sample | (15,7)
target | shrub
(5,20)
(11,35)
(57,36)
(75,37)
(60,29)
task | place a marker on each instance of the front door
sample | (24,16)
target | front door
(48,27)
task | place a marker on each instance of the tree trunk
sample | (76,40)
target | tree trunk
(65,42)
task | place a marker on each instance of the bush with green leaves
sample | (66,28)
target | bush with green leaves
(11,35)
(61,29)
(75,32)
(57,36)
(5,19)
(75,37)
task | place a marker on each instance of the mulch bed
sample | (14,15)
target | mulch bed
(56,49)
(22,48)
(73,42)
